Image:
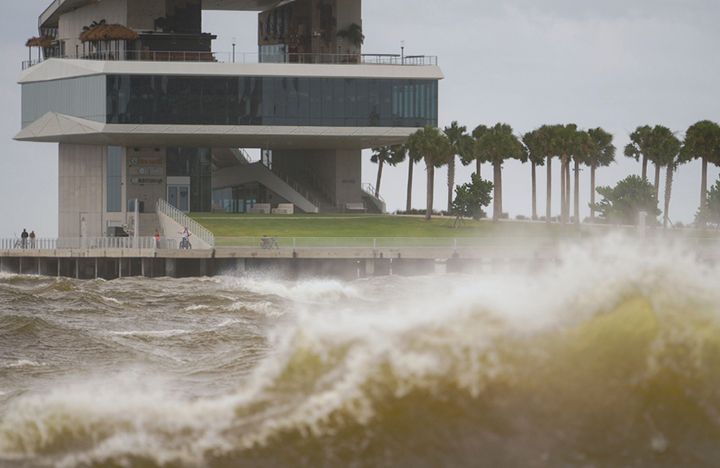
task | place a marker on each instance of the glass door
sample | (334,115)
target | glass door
(179,197)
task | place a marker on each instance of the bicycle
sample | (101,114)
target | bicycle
(185,243)
(266,243)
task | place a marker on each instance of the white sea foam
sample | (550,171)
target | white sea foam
(196,307)
(23,363)
(262,307)
(150,333)
(442,327)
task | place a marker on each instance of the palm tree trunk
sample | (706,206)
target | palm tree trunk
(657,182)
(703,193)
(562,190)
(534,191)
(451,180)
(379,176)
(567,191)
(408,205)
(644,167)
(548,212)
(497,195)
(478,165)
(577,194)
(668,192)
(592,192)
(430,187)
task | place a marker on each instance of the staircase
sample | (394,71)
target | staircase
(148,223)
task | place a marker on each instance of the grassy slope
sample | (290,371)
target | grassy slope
(224,225)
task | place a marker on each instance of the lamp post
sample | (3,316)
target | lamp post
(233,44)
(402,52)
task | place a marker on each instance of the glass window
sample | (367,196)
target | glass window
(271,101)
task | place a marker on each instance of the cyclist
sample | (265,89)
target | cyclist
(185,242)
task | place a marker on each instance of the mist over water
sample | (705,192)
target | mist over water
(609,359)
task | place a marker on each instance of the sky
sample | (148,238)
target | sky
(615,64)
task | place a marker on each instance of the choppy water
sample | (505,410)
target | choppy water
(610,360)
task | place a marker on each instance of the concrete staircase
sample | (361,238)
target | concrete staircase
(148,223)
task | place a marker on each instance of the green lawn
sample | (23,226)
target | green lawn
(234,225)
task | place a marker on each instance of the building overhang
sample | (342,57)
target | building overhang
(56,69)
(51,15)
(60,128)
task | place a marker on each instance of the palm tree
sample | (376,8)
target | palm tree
(466,159)
(391,155)
(702,141)
(570,142)
(580,156)
(460,144)
(412,160)
(431,145)
(536,155)
(601,153)
(498,144)
(548,140)
(638,146)
(660,146)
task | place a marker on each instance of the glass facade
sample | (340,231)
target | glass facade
(196,164)
(239,199)
(216,100)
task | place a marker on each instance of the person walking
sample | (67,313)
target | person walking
(24,238)
(32,239)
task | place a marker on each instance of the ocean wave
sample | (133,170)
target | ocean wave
(308,291)
(21,363)
(611,359)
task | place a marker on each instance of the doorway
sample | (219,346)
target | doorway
(179,197)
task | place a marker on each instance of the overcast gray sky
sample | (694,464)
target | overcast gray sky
(616,64)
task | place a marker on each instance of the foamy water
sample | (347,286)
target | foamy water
(610,359)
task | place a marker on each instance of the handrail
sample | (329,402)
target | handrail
(244,57)
(449,242)
(369,189)
(293,184)
(184,220)
(324,189)
(87,243)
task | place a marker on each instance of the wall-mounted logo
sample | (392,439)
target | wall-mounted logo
(147,162)
(150,170)
(146,180)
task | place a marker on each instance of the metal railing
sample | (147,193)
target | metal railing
(450,242)
(245,57)
(293,184)
(369,189)
(89,243)
(184,220)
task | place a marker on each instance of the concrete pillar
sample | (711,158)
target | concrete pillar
(369,267)
(240,266)
(2,263)
(77,268)
(119,267)
(20,259)
(96,267)
(38,267)
(203,267)
(58,266)
(142,267)
(170,267)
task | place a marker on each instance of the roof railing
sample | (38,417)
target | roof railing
(245,57)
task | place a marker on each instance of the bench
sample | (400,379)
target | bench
(355,207)
(284,208)
(260,208)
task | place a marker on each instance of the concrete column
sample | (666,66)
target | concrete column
(240,266)
(77,268)
(20,259)
(96,267)
(203,267)
(142,267)
(120,267)
(38,267)
(440,266)
(170,267)
(369,267)
(58,266)
(2,263)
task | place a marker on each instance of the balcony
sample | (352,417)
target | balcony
(246,57)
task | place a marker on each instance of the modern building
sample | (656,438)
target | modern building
(143,108)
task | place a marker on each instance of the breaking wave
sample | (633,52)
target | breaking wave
(611,359)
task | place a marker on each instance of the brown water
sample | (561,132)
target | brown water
(610,360)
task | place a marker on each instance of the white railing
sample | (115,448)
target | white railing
(184,220)
(142,243)
(447,242)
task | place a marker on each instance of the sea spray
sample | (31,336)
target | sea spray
(609,359)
